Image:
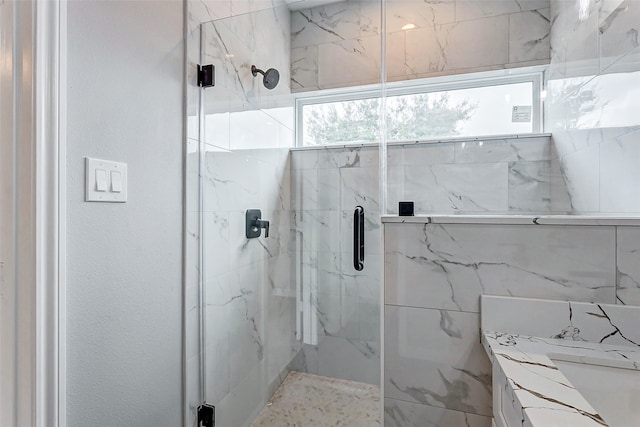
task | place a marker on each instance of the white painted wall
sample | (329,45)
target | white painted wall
(124,290)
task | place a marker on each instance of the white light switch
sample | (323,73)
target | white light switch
(106,181)
(101,180)
(116,182)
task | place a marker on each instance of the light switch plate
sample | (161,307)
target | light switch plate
(91,191)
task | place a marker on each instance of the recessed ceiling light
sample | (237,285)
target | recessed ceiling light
(229,55)
(408,27)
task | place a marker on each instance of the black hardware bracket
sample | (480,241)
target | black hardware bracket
(206,75)
(206,415)
(254,224)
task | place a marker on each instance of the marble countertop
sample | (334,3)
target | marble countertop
(513,219)
(539,390)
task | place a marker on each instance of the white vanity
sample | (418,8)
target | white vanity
(559,363)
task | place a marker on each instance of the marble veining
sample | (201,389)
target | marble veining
(538,389)
(516,219)
(523,354)
(516,33)
(312,400)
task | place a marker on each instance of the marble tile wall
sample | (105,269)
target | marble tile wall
(576,321)
(592,98)
(496,176)
(434,276)
(442,41)
(513,175)
(240,154)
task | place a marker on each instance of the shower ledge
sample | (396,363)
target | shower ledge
(514,219)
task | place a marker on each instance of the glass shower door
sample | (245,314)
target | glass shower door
(248,299)
(291,301)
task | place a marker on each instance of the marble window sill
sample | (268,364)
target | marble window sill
(485,138)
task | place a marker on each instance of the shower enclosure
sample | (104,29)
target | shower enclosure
(260,307)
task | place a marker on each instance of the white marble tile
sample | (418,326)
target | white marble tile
(466,9)
(479,187)
(227,189)
(279,240)
(369,319)
(304,189)
(306,360)
(208,10)
(628,265)
(581,171)
(450,266)
(503,150)
(233,49)
(274,184)
(325,24)
(395,56)
(243,403)
(338,316)
(453,47)
(619,174)
(359,61)
(192,244)
(434,357)
(529,36)
(573,321)
(574,40)
(239,7)
(304,68)
(395,187)
(192,310)
(351,157)
(424,51)
(419,13)
(322,229)
(370,19)
(618,30)
(359,187)
(216,244)
(331,275)
(560,198)
(353,360)
(365,283)
(529,186)
(304,159)
(192,390)
(429,154)
(399,413)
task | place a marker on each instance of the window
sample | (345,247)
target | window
(431,109)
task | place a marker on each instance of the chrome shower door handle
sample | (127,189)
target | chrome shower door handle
(358,238)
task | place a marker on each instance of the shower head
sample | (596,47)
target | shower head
(271,76)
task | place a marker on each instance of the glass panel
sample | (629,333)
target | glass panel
(458,113)
(247,129)
(420,116)
(291,301)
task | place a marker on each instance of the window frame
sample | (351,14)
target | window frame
(534,75)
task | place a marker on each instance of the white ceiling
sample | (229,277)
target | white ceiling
(305,4)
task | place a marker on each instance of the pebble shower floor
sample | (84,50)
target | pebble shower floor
(305,400)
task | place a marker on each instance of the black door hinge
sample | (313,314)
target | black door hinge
(206,415)
(206,75)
